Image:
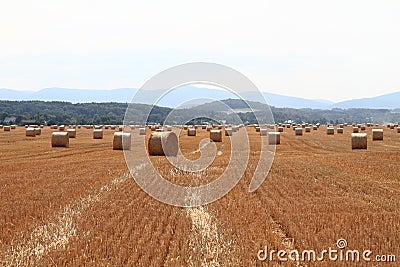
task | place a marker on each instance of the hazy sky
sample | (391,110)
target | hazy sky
(334,50)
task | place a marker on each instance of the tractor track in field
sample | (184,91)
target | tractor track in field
(56,233)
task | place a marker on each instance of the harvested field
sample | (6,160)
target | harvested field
(80,206)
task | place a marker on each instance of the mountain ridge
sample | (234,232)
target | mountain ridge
(181,97)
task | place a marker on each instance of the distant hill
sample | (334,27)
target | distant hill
(190,96)
(388,101)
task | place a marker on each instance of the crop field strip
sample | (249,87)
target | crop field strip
(318,190)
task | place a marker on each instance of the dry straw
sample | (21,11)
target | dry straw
(191,132)
(59,139)
(359,141)
(71,133)
(377,134)
(216,135)
(30,132)
(122,141)
(163,143)
(263,132)
(97,134)
(274,138)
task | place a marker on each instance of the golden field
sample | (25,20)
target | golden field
(80,206)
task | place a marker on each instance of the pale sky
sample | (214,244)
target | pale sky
(334,50)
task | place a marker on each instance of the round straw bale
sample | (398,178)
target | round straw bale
(98,134)
(359,141)
(307,129)
(191,132)
(362,128)
(280,129)
(377,134)
(1,126)
(263,132)
(228,131)
(339,130)
(185,127)
(71,133)
(330,131)
(169,128)
(315,127)
(274,138)
(142,131)
(38,130)
(298,131)
(30,132)
(13,127)
(391,126)
(163,143)
(61,128)
(203,127)
(7,128)
(258,129)
(216,135)
(398,129)
(59,139)
(160,130)
(122,141)
(355,129)
(209,127)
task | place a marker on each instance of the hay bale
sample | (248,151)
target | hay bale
(71,133)
(159,130)
(263,132)
(122,141)
(307,129)
(280,129)
(209,127)
(330,131)
(203,127)
(274,138)
(216,135)
(315,127)
(298,131)
(185,127)
(61,128)
(398,129)
(13,127)
(163,143)
(98,134)
(169,128)
(362,128)
(30,132)
(1,126)
(191,131)
(377,134)
(359,141)
(7,128)
(142,131)
(228,131)
(391,126)
(339,130)
(258,129)
(59,139)
(355,129)
(38,130)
